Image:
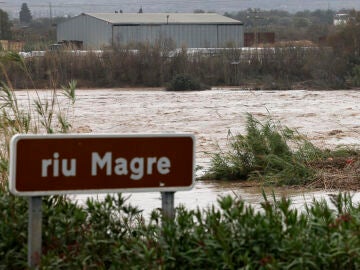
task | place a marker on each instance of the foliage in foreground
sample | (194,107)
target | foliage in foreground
(111,234)
(271,153)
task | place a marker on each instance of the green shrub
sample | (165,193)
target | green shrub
(181,82)
(264,153)
(356,76)
(111,234)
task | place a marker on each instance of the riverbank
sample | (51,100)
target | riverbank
(331,174)
(284,68)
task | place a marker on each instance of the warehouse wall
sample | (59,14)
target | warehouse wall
(93,32)
(231,34)
(189,35)
(96,33)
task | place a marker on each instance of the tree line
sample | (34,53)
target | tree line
(333,63)
(304,25)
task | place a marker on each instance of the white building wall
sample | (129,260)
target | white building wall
(126,34)
(230,34)
(188,35)
(93,32)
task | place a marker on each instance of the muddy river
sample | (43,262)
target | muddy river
(327,118)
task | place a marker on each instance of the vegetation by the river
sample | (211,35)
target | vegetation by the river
(273,154)
(111,234)
(289,67)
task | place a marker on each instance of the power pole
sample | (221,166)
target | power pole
(256,17)
(50,13)
(1,22)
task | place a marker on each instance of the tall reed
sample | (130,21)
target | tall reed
(38,113)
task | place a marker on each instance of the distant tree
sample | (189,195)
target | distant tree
(301,22)
(5,25)
(199,11)
(25,14)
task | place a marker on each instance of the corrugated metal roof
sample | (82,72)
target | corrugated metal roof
(163,18)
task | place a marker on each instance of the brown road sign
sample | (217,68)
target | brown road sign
(79,163)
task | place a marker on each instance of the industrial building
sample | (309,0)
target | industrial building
(191,30)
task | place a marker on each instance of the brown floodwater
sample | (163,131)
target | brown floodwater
(327,118)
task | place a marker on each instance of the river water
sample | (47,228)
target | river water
(327,118)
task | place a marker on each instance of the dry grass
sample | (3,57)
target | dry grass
(337,173)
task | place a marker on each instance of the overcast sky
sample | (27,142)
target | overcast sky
(40,8)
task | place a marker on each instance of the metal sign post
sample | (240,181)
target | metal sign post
(35,231)
(167,204)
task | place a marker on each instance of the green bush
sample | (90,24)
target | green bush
(181,82)
(356,76)
(264,153)
(111,234)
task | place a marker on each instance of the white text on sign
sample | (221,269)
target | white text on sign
(137,167)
